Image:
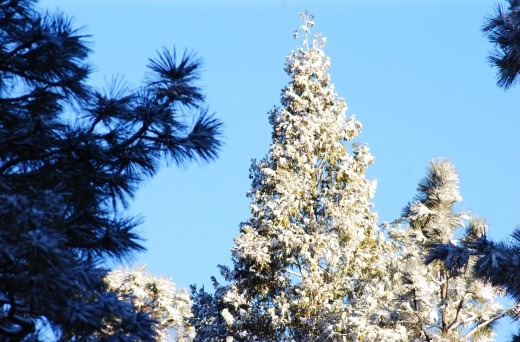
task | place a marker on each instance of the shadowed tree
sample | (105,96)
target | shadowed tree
(503,30)
(70,158)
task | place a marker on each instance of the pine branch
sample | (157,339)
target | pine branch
(489,321)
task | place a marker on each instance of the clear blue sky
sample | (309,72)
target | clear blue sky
(413,71)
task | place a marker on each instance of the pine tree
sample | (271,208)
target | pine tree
(70,158)
(309,264)
(438,304)
(156,296)
(503,30)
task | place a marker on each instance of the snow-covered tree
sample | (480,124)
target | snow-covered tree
(310,263)
(437,304)
(70,158)
(503,29)
(158,297)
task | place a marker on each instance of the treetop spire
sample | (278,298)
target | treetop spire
(305,29)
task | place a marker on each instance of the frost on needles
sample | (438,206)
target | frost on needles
(311,263)
(434,302)
(156,296)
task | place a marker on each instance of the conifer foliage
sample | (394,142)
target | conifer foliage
(70,157)
(158,297)
(436,303)
(308,264)
(503,30)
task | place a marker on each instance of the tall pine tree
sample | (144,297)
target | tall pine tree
(309,264)
(438,304)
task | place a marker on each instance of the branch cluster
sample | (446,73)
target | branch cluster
(70,158)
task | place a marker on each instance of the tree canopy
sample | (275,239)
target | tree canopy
(309,264)
(70,158)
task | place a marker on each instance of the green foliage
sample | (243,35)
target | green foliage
(70,157)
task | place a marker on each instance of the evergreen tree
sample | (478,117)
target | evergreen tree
(70,158)
(438,304)
(503,30)
(309,264)
(158,297)
(207,320)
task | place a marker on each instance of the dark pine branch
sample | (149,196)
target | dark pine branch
(64,183)
(503,30)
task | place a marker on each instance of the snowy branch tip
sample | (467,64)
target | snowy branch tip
(305,29)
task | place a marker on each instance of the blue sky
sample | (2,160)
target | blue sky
(414,73)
